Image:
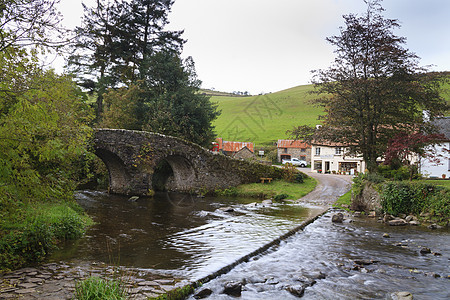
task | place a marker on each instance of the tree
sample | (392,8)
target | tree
(30,23)
(44,130)
(166,101)
(115,41)
(375,89)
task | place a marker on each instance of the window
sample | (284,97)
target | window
(303,149)
(317,150)
(338,151)
(285,150)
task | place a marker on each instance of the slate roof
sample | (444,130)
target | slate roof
(443,126)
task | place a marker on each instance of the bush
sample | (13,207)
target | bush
(280,197)
(439,204)
(408,197)
(96,288)
(40,231)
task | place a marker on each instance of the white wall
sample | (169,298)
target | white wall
(431,169)
(328,155)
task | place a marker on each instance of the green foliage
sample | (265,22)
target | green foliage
(290,172)
(362,179)
(280,197)
(400,173)
(177,294)
(30,236)
(258,190)
(344,201)
(96,288)
(408,197)
(439,204)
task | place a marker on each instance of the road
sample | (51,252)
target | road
(328,190)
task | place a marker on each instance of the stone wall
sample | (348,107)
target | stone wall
(132,156)
(368,200)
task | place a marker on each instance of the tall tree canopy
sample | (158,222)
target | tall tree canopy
(125,54)
(30,22)
(375,89)
(116,39)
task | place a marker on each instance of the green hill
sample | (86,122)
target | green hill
(265,118)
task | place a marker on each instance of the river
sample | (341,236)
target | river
(184,238)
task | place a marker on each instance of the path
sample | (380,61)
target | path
(328,190)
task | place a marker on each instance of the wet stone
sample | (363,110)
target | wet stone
(203,293)
(425,250)
(152,283)
(27,285)
(164,281)
(233,288)
(25,291)
(296,290)
(8,296)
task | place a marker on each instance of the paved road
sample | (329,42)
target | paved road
(328,190)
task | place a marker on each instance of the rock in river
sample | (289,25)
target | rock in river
(233,288)
(337,218)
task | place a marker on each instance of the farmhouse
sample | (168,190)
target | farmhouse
(430,168)
(235,149)
(327,157)
(293,148)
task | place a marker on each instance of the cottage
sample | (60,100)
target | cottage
(293,148)
(235,149)
(442,169)
(330,157)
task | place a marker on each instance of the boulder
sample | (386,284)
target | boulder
(296,290)
(414,223)
(386,235)
(409,218)
(337,218)
(425,250)
(397,222)
(233,288)
(227,209)
(402,296)
(203,293)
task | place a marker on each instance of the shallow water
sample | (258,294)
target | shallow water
(182,235)
(332,249)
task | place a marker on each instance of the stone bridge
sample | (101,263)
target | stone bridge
(140,162)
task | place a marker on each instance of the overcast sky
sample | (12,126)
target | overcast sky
(267,46)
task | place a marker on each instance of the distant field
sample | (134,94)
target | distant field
(263,119)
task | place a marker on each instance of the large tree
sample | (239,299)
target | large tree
(30,23)
(167,100)
(115,41)
(375,89)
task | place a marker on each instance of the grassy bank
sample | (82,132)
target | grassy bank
(28,234)
(292,190)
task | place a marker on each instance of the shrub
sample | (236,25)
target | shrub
(298,178)
(439,204)
(407,197)
(96,288)
(40,231)
(280,197)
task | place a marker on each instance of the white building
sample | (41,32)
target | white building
(430,168)
(332,158)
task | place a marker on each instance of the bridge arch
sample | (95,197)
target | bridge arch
(119,178)
(132,158)
(173,172)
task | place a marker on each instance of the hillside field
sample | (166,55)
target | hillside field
(264,119)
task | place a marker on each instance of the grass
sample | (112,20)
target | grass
(269,190)
(264,119)
(344,201)
(98,288)
(444,183)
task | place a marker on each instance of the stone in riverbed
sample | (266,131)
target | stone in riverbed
(233,288)
(386,235)
(337,218)
(414,223)
(425,250)
(296,290)
(203,293)
(397,222)
(402,296)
